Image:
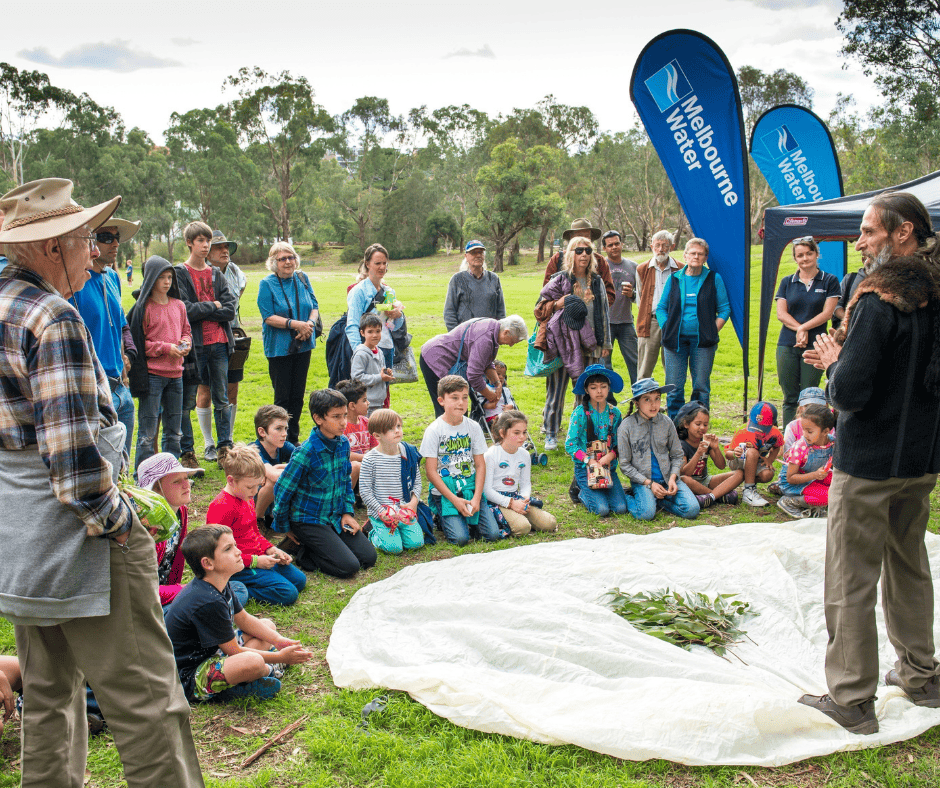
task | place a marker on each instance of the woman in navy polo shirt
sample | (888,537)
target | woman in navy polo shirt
(805,303)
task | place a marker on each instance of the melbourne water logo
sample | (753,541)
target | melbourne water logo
(779,142)
(668,85)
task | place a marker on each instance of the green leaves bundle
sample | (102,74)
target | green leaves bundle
(154,512)
(683,621)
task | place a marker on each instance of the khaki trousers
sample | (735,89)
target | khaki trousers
(876,529)
(649,351)
(127,658)
(535,519)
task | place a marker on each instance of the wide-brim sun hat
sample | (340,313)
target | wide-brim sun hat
(126,229)
(578,229)
(157,466)
(615,381)
(218,237)
(44,209)
(648,386)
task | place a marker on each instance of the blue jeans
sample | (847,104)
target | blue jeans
(625,336)
(698,361)
(166,395)
(278,585)
(600,502)
(643,504)
(212,361)
(124,405)
(456,529)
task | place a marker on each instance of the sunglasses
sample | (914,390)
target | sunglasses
(806,239)
(288,259)
(610,234)
(583,250)
(107,237)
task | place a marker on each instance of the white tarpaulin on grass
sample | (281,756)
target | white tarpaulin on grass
(518,642)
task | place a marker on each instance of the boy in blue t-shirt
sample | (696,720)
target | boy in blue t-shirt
(220,650)
(271,423)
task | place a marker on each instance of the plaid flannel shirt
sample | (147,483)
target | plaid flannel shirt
(54,396)
(316,486)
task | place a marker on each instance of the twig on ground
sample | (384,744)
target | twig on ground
(276,739)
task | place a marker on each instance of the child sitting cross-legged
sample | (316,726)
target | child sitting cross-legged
(453,448)
(651,456)
(313,497)
(807,469)
(698,445)
(753,450)
(220,650)
(508,487)
(268,572)
(393,514)
(357,424)
(594,423)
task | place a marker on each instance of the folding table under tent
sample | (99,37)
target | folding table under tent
(829,220)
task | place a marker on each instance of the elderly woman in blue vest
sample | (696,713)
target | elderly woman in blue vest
(693,308)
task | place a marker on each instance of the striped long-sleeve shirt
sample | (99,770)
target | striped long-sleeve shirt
(54,395)
(380,480)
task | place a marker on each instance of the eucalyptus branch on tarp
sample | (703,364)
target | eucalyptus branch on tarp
(684,621)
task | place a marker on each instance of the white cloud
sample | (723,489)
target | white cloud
(113,56)
(483,51)
(185,42)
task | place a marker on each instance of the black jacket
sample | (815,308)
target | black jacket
(197,311)
(884,383)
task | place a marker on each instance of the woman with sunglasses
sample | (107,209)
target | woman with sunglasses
(574,305)
(289,312)
(805,303)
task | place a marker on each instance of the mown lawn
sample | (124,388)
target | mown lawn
(409,746)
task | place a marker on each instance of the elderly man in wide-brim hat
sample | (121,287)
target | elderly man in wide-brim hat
(78,571)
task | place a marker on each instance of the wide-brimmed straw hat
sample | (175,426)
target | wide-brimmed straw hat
(578,229)
(126,229)
(44,209)
(155,467)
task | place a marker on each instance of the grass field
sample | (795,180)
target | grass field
(410,746)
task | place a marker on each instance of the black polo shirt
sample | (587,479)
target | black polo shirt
(804,304)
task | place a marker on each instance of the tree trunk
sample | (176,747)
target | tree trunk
(498,258)
(514,253)
(543,235)
(169,246)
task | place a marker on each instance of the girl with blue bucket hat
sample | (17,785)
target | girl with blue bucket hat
(651,456)
(592,441)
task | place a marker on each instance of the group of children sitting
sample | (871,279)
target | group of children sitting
(667,463)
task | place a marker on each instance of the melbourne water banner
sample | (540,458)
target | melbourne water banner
(686,94)
(793,149)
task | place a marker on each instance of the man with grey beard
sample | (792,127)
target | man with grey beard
(885,383)
(652,277)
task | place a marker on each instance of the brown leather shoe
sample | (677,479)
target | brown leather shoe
(928,695)
(859,719)
(188,460)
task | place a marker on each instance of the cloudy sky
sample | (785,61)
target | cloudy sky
(150,59)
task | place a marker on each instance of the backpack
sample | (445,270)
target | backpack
(338,351)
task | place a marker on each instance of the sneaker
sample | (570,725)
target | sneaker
(97,724)
(788,505)
(928,695)
(277,668)
(730,498)
(263,689)
(538,503)
(704,501)
(550,443)
(220,453)
(736,463)
(188,460)
(859,719)
(774,488)
(574,492)
(211,454)
(754,498)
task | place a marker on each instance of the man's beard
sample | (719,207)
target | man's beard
(872,264)
(661,258)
